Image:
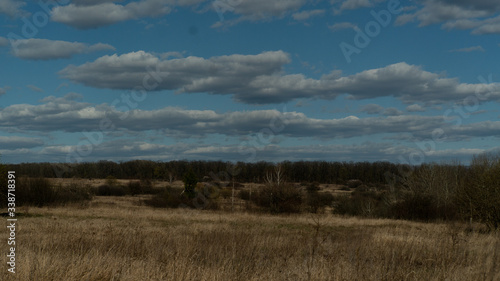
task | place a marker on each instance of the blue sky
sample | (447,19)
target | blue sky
(238,80)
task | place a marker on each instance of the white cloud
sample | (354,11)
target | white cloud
(2,91)
(67,115)
(223,74)
(44,49)
(415,108)
(258,10)
(259,79)
(34,88)
(102,14)
(305,15)
(356,4)
(478,16)
(119,150)
(12,8)
(342,25)
(372,109)
(469,49)
(4,41)
(15,142)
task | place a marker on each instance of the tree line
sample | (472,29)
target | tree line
(300,171)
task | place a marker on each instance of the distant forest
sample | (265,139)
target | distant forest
(301,171)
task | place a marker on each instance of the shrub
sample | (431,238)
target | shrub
(190,180)
(141,187)
(354,183)
(34,191)
(135,187)
(312,187)
(414,206)
(111,181)
(226,192)
(244,195)
(73,193)
(176,198)
(40,192)
(279,198)
(110,190)
(358,204)
(316,201)
(479,197)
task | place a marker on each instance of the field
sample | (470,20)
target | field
(119,238)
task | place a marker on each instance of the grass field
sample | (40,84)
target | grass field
(118,238)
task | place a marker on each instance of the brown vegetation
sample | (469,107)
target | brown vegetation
(115,238)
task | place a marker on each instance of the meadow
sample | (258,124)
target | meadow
(121,238)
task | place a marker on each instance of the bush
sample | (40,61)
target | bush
(312,187)
(34,191)
(316,201)
(74,193)
(110,190)
(358,204)
(176,198)
(111,181)
(244,195)
(354,183)
(190,181)
(283,198)
(414,207)
(141,187)
(226,193)
(40,192)
(479,197)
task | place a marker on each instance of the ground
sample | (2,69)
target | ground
(120,238)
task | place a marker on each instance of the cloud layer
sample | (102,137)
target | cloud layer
(44,49)
(259,79)
(481,17)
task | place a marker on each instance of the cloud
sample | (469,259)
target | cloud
(392,111)
(415,108)
(3,91)
(342,25)
(220,75)
(4,41)
(44,49)
(103,14)
(19,142)
(478,16)
(377,109)
(68,115)
(34,88)
(12,8)
(259,10)
(305,15)
(355,4)
(259,79)
(120,150)
(372,109)
(469,49)
(92,2)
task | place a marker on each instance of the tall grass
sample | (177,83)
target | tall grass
(116,239)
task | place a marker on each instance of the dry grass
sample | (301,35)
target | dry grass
(115,238)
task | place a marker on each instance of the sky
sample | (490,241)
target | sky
(249,80)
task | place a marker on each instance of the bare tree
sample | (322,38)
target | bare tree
(277,176)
